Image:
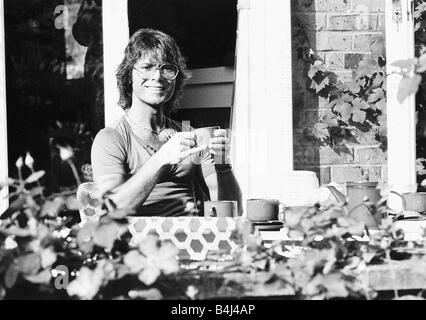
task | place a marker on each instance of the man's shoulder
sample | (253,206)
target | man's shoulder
(114,133)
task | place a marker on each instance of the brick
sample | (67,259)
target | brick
(355,174)
(299,139)
(305,155)
(372,42)
(322,173)
(375,174)
(332,5)
(325,175)
(335,60)
(385,173)
(344,75)
(308,100)
(297,65)
(381,22)
(312,20)
(368,5)
(352,60)
(298,101)
(353,22)
(344,174)
(370,156)
(329,155)
(333,41)
(365,138)
(320,5)
(299,81)
(303,119)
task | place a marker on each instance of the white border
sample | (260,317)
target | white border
(4,203)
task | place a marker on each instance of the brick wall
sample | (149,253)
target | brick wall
(341,32)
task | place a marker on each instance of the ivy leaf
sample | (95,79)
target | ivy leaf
(36,191)
(320,131)
(51,208)
(408,86)
(378,80)
(330,119)
(35,176)
(376,95)
(42,277)
(11,276)
(149,275)
(418,11)
(367,67)
(353,87)
(421,64)
(315,68)
(343,107)
(358,103)
(29,264)
(420,166)
(362,81)
(13,207)
(358,115)
(383,124)
(381,105)
(48,257)
(320,86)
(418,24)
(72,203)
(406,65)
(105,235)
(312,71)
(335,286)
(2,292)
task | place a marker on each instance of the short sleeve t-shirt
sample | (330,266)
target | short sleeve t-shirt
(116,150)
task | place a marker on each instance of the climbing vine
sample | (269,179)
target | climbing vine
(356,109)
(352,109)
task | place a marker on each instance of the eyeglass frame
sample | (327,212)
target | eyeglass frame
(158,66)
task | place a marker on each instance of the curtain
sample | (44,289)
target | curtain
(261,124)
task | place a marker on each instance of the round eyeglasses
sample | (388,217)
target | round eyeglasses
(167,70)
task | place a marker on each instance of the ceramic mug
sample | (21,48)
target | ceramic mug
(205,134)
(220,209)
(263,209)
(413,201)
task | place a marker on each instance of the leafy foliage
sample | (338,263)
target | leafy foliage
(352,107)
(43,242)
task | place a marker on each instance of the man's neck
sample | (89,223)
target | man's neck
(146,116)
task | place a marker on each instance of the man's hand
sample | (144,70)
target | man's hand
(178,148)
(219,146)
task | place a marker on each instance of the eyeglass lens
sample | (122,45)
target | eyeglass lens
(168,71)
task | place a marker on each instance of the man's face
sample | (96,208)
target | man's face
(151,87)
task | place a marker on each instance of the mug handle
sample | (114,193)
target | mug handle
(404,202)
(212,212)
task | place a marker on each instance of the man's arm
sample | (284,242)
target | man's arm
(224,186)
(108,161)
(133,192)
(108,156)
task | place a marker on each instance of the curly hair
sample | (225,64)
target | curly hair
(148,41)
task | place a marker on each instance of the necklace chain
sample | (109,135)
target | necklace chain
(148,148)
(157,132)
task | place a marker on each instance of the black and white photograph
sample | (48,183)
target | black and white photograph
(213,154)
